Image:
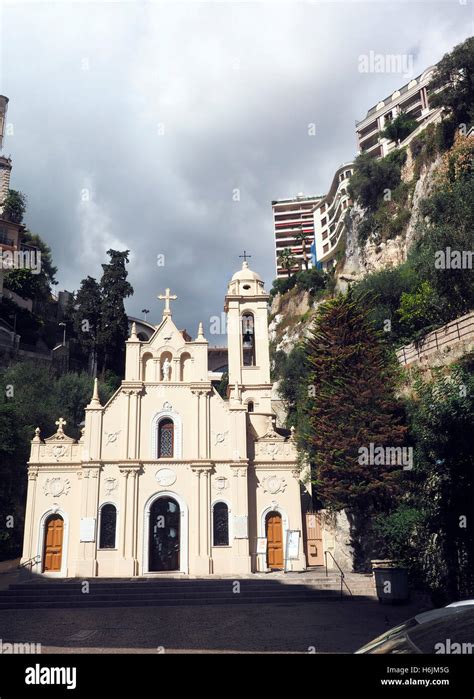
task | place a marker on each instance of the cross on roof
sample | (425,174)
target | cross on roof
(60,423)
(245,255)
(167,297)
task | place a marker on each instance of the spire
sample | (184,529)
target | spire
(95,400)
(133,334)
(201,332)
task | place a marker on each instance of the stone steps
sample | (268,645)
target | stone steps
(185,591)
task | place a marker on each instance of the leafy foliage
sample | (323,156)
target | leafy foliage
(39,398)
(350,404)
(286,260)
(373,178)
(452,86)
(14,206)
(113,330)
(399,128)
(442,415)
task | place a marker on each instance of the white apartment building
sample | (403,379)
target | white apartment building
(329,214)
(412,98)
(290,216)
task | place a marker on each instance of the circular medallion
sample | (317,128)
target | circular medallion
(165,476)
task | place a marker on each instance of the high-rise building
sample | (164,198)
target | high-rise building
(290,218)
(329,217)
(412,99)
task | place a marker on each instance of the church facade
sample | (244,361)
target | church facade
(169,477)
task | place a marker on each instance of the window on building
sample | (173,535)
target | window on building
(250,406)
(165,439)
(326,247)
(323,221)
(220,524)
(325,235)
(108,526)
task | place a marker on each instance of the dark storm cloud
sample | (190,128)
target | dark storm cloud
(135,125)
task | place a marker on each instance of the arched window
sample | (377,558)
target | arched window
(250,406)
(220,519)
(248,340)
(165,438)
(108,526)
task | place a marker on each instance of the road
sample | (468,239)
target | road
(326,626)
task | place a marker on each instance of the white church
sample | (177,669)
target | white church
(168,477)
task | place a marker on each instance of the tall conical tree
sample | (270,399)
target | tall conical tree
(86,318)
(351,404)
(114,324)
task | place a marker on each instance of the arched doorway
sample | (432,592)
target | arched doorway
(274,534)
(53,544)
(164,537)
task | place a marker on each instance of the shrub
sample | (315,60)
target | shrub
(400,128)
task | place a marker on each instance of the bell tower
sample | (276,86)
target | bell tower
(246,305)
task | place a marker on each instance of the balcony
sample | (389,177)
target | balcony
(4,240)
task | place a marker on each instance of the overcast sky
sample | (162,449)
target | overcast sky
(139,125)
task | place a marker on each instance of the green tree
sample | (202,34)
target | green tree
(400,127)
(286,260)
(419,309)
(351,404)
(29,284)
(373,177)
(113,331)
(302,238)
(452,86)
(14,206)
(86,315)
(441,416)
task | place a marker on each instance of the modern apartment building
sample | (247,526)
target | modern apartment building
(329,214)
(290,217)
(412,98)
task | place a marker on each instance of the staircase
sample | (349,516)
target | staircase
(279,588)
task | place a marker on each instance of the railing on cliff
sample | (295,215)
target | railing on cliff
(439,340)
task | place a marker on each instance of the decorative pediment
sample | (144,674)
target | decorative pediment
(166,336)
(274,446)
(271,435)
(60,435)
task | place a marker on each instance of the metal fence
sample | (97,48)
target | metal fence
(439,340)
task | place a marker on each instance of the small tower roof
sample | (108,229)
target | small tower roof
(246,274)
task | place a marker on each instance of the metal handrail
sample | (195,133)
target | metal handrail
(30,562)
(343,581)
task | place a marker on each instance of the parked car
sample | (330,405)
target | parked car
(448,630)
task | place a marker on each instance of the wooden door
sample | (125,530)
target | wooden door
(314,539)
(274,531)
(53,544)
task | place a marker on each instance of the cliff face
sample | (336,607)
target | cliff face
(374,256)
(292,313)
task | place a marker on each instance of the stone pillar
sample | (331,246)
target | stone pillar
(28,540)
(132,421)
(128,561)
(296,522)
(202,519)
(241,561)
(86,562)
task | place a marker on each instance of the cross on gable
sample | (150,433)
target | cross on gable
(167,297)
(61,423)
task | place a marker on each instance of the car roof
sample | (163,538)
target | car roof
(449,629)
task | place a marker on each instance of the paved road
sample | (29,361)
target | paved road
(327,626)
